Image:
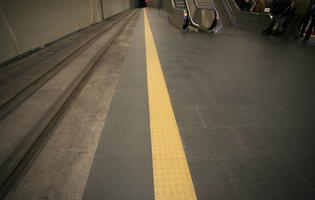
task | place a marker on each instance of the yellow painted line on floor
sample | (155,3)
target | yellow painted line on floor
(172,180)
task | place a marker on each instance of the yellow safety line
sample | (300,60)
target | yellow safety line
(172,180)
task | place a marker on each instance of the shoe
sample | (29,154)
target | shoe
(285,38)
(266,33)
(305,40)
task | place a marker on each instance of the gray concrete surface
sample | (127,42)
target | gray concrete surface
(62,168)
(244,104)
(18,124)
(14,77)
(25,25)
(122,167)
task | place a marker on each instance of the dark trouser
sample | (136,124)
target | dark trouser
(247,6)
(272,24)
(310,29)
(240,3)
(293,24)
(303,24)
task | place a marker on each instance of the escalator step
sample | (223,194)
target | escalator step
(180,4)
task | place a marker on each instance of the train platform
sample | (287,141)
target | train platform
(170,115)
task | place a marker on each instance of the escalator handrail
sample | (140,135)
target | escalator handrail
(191,17)
(190,14)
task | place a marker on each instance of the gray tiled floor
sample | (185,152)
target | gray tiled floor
(244,107)
(255,99)
(122,168)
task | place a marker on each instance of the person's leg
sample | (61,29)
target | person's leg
(309,30)
(284,25)
(247,6)
(303,25)
(292,25)
(268,30)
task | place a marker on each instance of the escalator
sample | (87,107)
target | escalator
(181,4)
(200,14)
(223,17)
(177,13)
(207,15)
(251,21)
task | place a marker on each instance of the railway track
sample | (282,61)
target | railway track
(18,161)
(12,102)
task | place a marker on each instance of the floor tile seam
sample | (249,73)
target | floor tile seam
(191,126)
(231,126)
(123,115)
(299,173)
(216,156)
(244,144)
(105,155)
(271,142)
(219,106)
(223,158)
(130,90)
(200,118)
(230,179)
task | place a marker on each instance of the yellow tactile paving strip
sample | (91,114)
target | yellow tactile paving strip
(172,180)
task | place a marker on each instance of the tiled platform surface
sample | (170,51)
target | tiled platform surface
(244,105)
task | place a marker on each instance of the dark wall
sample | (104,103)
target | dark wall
(138,3)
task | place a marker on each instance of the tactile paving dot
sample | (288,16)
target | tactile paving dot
(172,179)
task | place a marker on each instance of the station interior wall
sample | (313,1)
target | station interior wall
(27,25)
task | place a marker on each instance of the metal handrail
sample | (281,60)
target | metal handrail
(191,18)
(190,3)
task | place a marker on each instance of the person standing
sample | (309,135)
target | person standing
(312,24)
(240,4)
(260,6)
(278,8)
(247,5)
(299,8)
(304,22)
